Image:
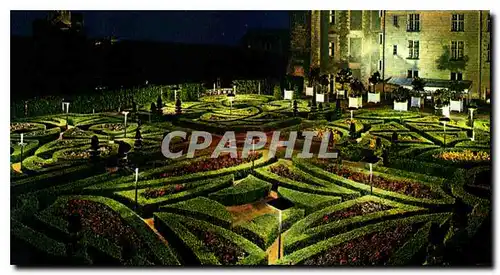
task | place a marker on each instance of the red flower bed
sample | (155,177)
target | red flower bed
(371,249)
(101,220)
(406,187)
(226,252)
(355,210)
(151,193)
(209,164)
(285,172)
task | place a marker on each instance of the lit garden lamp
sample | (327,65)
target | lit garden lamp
(136,179)
(65,106)
(231,97)
(279,234)
(352,109)
(371,158)
(125,127)
(472,107)
(22,144)
(444,120)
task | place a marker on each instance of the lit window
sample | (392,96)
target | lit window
(456,76)
(395,49)
(331,49)
(413,49)
(413,22)
(332,17)
(457,22)
(457,50)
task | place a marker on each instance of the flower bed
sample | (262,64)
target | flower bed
(465,155)
(355,210)
(283,171)
(406,187)
(371,249)
(208,244)
(209,164)
(23,127)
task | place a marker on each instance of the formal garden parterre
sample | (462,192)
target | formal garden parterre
(76,199)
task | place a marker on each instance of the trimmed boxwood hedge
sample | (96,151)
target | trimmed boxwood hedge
(301,234)
(146,178)
(290,216)
(28,150)
(248,190)
(36,239)
(310,202)
(364,188)
(161,251)
(390,126)
(299,256)
(192,190)
(313,185)
(203,209)
(261,230)
(98,128)
(174,226)
(405,254)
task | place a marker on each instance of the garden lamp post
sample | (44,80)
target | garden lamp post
(22,144)
(65,105)
(371,158)
(231,97)
(444,120)
(471,110)
(136,179)
(279,235)
(125,127)
(352,111)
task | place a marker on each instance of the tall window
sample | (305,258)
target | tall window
(380,65)
(332,17)
(413,22)
(413,51)
(457,50)
(395,21)
(488,59)
(331,49)
(412,74)
(395,49)
(380,38)
(456,76)
(457,22)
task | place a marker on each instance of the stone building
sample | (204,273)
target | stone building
(438,46)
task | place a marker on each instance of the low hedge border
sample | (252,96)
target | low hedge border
(364,188)
(411,151)
(198,188)
(261,230)
(42,136)
(307,201)
(417,166)
(301,255)
(438,137)
(28,150)
(301,234)
(36,239)
(171,223)
(127,182)
(203,209)
(162,252)
(328,188)
(390,126)
(97,128)
(404,255)
(248,190)
(388,135)
(290,216)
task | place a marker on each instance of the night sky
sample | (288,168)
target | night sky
(195,27)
